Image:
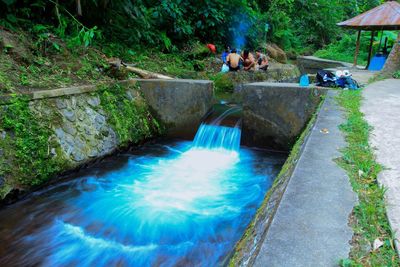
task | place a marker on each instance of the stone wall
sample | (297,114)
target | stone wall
(82,132)
(275,114)
(88,122)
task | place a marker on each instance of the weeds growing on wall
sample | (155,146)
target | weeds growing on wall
(29,139)
(370,221)
(128,115)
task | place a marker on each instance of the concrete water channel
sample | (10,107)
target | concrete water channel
(256,217)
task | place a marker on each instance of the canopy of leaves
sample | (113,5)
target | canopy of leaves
(169,24)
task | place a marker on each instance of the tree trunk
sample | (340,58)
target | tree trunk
(146,74)
(78,7)
(393,61)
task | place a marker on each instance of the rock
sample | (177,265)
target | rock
(69,115)
(3,135)
(88,130)
(77,155)
(73,102)
(104,132)
(69,128)
(93,101)
(60,103)
(60,133)
(2,181)
(90,112)
(93,153)
(276,53)
(129,95)
(53,152)
(100,119)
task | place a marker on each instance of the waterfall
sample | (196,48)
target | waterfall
(215,134)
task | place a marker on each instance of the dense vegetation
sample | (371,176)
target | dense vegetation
(296,25)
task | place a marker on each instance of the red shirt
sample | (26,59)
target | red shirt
(212,48)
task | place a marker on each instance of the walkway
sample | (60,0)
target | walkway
(310,227)
(381,107)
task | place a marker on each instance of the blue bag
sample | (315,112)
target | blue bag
(304,81)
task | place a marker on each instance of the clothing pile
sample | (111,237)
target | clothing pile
(341,79)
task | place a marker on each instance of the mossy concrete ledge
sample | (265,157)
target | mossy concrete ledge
(275,114)
(178,104)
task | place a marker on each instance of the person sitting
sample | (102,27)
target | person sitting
(225,54)
(262,60)
(233,60)
(249,62)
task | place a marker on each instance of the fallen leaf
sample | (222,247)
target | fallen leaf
(324,131)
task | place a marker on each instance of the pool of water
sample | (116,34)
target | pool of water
(165,204)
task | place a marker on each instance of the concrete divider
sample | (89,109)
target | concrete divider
(275,114)
(178,104)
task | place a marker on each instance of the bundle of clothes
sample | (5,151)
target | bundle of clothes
(341,78)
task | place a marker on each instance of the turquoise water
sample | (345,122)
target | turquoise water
(175,203)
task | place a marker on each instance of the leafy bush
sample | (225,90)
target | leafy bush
(396,75)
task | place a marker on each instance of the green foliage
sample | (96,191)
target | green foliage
(344,49)
(129,117)
(396,75)
(223,83)
(359,161)
(295,24)
(31,143)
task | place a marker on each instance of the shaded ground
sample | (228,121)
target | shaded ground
(381,107)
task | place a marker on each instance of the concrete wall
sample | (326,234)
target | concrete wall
(274,114)
(84,129)
(179,104)
(310,64)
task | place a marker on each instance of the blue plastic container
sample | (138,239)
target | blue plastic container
(304,81)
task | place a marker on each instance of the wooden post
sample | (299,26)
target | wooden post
(370,49)
(357,48)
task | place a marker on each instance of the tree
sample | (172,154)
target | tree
(393,61)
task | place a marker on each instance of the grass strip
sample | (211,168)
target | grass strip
(369,220)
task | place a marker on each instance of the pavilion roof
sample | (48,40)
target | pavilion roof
(383,17)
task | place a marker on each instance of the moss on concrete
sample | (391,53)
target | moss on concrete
(128,114)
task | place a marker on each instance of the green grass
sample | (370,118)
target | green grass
(369,220)
(343,50)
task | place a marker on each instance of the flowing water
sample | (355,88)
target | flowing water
(174,203)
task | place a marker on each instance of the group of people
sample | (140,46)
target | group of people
(246,60)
